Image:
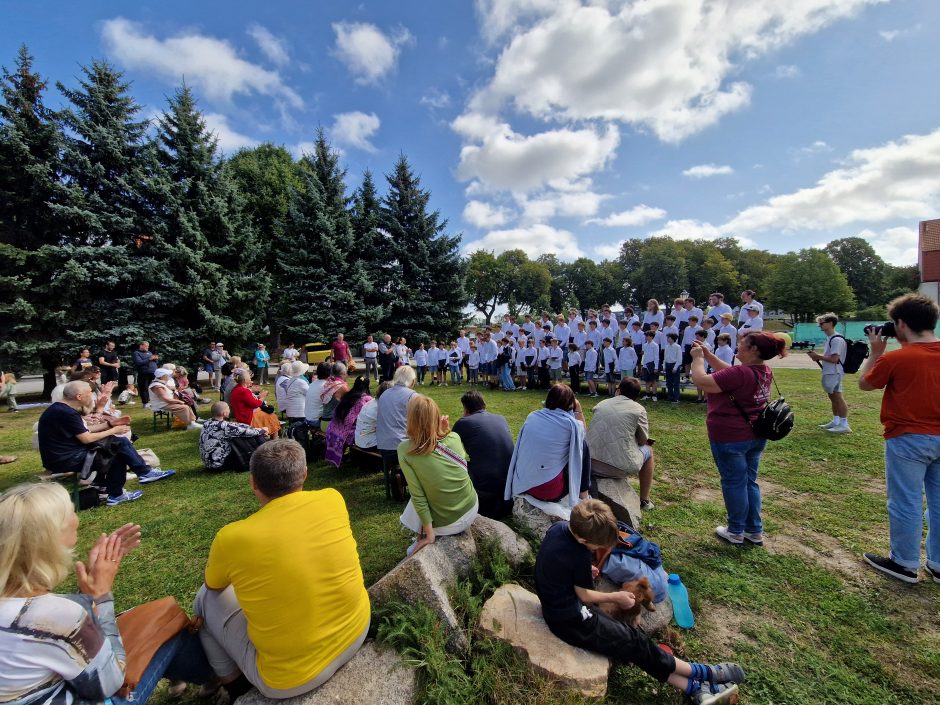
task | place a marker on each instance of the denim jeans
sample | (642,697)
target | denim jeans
(737,464)
(505,378)
(181,658)
(912,467)
(454,374)
(422,371)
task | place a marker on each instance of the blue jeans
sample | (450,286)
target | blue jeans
(180,659)
(737,464)
(422,371)
(454,374)
(505,378)
(912,467)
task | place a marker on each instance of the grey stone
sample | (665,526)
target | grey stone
(652,623)
(623,500)
(373,676)
(532,518)
(513,615)
(514,546)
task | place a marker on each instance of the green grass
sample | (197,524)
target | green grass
(808,620)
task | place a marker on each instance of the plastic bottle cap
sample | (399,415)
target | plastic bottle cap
(674,579)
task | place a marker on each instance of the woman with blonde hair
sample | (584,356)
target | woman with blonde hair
(443,501)
(66,649)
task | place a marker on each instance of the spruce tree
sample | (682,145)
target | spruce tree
(325,282)
(371,244)
(424,284)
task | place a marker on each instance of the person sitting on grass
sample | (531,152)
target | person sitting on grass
(65,441)
(126,398)
(228,445)
(564,581)
(284,601)
(443,501)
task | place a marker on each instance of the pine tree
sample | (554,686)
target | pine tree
(371,243)
(328,284)
(425,276)
(205,248)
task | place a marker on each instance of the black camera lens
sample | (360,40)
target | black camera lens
(888,330)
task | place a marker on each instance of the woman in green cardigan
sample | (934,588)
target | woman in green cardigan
(443,501)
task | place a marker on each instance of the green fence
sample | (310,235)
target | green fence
(853,330)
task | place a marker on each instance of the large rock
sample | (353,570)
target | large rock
(514,546)
(372,676)
(426,577)
(623,500)
(532,518)
(652,623)
(514,615)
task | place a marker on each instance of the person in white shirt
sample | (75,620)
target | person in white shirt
(718,306)
(506,326)
(638,338)
(574,367)
(708,325)
(724,351)
(692,310)
(629,315)
(454,358)
(528,326)
(367,419)
(513,327)
(607,330)
(611,365)
(463,345)
(492,352)
(682,316)
(434,354)
(701,336)
(421,362)
(473,365)
(403,352)
(594,335)
(753,323)
(688,337)
(831,361)
(627,360)
(623,334)
(590,367)
(370,355)
(295,392)
(747,297)
(574,318)
(672,364)
(725,328)
(650,372)
(555,358)
(579,336)
(651,314)
(290,353)
(562,331)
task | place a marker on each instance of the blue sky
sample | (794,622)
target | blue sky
(560,125)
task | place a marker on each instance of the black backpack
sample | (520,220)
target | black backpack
(308,437)
(855,354)
(774,421)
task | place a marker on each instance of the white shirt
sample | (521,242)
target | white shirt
(365,424)
(742,314)
(610,357)
(751,325)
(725,353)
(638,337)
(716,311)
(651,355)
(562,332)
(673,354)
(590,360)
(688,335)
(370,351)
(595,337)
(314,407)
(295,397)
(554,358)
(579,337)
(473,359)
(454,356)
(682,316)
(623,335)
(290,354)
(574,359)
(656,317)
(463,345)
(835,344)
(627,358)
(421,358)
(434,354)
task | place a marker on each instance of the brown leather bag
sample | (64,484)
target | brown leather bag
(144,629)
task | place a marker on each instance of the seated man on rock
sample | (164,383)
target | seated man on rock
(284,601)
(65,442)
(619,439)
(564,583)
(228,445)
(488,442)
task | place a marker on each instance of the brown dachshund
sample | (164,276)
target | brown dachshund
(644,598)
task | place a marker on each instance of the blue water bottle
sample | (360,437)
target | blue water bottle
(680,602)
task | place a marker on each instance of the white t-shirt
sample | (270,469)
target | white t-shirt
(751,325)
(835,344)
(742,313)
(421,357)
(290,354)
(725,354)
(370,351)
(365,424)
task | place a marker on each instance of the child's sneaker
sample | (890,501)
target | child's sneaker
(723,533)
(126,497)
(716,694)
(727,672)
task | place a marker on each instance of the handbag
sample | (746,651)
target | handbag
(144,629)
(774,421)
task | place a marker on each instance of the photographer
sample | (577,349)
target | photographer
(831,362)
(910,413)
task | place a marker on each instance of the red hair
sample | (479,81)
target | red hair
(768,345)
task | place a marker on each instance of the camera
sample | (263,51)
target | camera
(885,329)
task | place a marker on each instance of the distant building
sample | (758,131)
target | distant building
(929,259)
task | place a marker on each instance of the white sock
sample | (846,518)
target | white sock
(835,420)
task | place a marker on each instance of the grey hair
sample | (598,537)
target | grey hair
(404,376)
(338,369)
(278,467)
(72,389)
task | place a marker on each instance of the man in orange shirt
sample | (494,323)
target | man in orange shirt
(910,413)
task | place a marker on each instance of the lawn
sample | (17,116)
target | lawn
(808,620)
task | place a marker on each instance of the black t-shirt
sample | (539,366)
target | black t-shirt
(59,448)
(108,373)
(488,443)
(562,564)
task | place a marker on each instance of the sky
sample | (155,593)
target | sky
(560,126)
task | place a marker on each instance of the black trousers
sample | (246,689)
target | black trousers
(617,641)
(143,386)
(575,373)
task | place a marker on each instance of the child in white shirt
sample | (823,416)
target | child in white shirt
(724,351)
(590,367)
(454,358)
(627,360)
(434,354)
(701,336)
(473,364)
(530,361)
(650,371)
(688,336)
(753,323)
(421,362)
(127,396)
(574,367)
(672,363)
(611,370)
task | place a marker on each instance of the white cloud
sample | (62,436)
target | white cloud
(535,240)
(355,129)
(302,148)
(898,180)
(560,202)
(703,171)
(436,99)
(663,65)
(228,139)
(638,215)
(895,245)
(816,147)
(785,71)
(210,64)
(609,251)
(367,52)
(689,229)
(889,35)
(507,161)
(273,47)
(485,215)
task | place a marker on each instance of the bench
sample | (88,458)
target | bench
(162,413)
(369,460)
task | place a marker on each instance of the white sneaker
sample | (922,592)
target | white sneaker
(194,426)
(723,533)
(841,428)
(827,426)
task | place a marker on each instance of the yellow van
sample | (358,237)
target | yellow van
(317,352)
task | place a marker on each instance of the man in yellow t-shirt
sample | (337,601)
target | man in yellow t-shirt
(284,601)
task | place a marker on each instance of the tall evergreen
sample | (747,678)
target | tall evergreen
(371,242)
(203,247)
(325,283)
(424,285)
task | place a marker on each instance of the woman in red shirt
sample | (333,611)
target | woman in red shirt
(735,447)
(242,401)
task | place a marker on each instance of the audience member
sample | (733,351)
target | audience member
(334,388)
(162,398)
(109,362)
(242,401)
(262,361)
(488,443)
(228,445)
(366,422)
(392,420)
(341,431)
(313,405)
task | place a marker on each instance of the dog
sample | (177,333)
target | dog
(644,599)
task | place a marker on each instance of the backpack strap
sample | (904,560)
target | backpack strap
(740,408)
(836,335)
